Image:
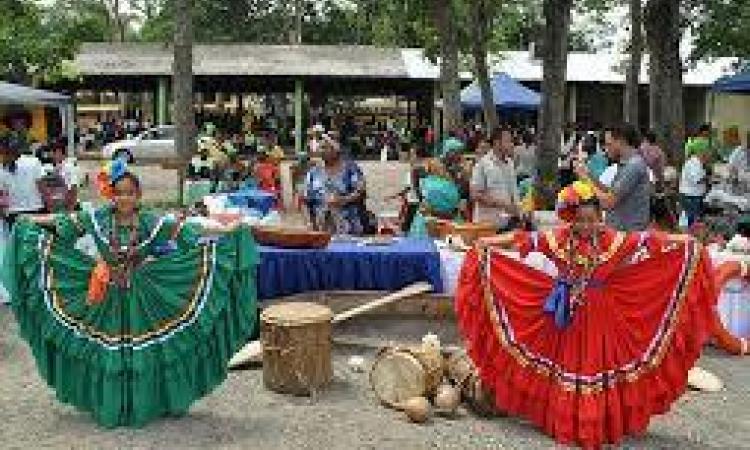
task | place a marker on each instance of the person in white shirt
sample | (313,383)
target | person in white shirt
(739,170)
(21,175)
(494,187)
(61,181)
(526,158)
(693,183)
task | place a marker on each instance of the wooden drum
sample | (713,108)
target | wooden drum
(399,374)
(460,368)
(296,340)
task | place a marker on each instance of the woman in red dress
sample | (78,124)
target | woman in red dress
(591,353)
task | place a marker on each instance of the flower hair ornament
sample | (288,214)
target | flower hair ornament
(572,196)
(108,175)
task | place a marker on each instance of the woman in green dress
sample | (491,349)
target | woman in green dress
(130,316)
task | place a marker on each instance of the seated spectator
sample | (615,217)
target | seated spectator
(268,174)
(200,166)
(441,198)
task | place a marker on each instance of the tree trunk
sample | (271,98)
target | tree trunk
(631,101)
(443,16)
(479,52)
(663,41)
(551,114)
(182,85)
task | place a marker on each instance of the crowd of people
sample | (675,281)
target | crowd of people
(588,352)
(473,177)
(30,184)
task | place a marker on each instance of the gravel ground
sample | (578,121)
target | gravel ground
(242,414)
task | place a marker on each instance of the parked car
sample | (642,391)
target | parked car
(154,143)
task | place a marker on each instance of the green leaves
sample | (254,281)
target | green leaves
(35,41)
(720,27)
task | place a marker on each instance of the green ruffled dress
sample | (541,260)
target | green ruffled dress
(150,349)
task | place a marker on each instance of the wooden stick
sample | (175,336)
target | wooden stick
(252,353)
(414,289)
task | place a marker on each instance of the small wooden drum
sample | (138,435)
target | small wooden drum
(296,341)
(460,368)
(399,374)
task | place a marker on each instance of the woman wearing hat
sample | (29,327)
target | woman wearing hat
(590,349)
(441,198)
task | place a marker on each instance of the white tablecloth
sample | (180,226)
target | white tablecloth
(734,301)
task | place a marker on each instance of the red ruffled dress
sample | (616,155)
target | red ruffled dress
(636,321)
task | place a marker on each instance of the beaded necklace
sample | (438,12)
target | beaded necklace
(125,257)
(587,261)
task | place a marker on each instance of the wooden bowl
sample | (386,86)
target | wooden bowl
(470,232)
(290,238)
(226,218)
(438,228)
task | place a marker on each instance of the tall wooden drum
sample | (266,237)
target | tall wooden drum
(296,341)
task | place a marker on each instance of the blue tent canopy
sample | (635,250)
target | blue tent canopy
(506,92)
(734,83)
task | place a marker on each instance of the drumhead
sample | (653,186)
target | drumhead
(296,313)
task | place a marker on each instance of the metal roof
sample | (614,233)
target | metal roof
(256,60)
(351,61)
(604,68)
(16,94)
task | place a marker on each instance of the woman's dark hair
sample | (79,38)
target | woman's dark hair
(593,201)
(649,136)
(497,133)
(10,147)
(422,151)
(590,144)
(627,133)
(133,179)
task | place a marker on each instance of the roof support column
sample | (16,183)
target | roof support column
(67,114)
(299,93)
(161,101)
(436,114)
(572,103)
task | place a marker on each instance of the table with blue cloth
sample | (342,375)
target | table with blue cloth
(348,266)
(254,199)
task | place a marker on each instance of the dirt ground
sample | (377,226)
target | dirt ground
(241,414)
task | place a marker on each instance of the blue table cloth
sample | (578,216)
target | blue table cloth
(348,266)
(254,199)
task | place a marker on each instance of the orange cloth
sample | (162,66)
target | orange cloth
(98,282)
